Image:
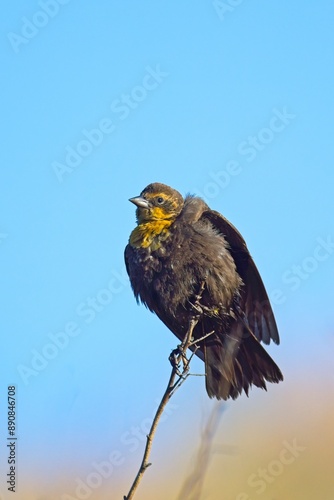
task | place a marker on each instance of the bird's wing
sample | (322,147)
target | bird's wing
(255,304)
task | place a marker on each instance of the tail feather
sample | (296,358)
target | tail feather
(234,364)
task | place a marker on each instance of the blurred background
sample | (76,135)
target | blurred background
(230,100)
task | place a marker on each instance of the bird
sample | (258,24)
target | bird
(179,247)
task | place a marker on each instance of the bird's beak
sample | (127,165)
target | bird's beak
(140,202)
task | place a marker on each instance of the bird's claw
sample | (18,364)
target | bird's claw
(174,358)
(199,309)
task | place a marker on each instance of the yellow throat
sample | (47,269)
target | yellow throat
(150,234)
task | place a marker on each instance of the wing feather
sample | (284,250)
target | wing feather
(255,304)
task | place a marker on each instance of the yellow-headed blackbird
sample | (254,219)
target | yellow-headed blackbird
(180,244)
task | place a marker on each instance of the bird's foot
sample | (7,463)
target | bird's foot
(175,357)
(200,309)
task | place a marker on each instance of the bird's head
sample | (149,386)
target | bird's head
(157,202)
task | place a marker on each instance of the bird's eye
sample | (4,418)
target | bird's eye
(160,200)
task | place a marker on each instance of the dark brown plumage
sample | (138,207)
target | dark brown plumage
(179,243)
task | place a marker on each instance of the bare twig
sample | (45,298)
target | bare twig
(149,438)
(195,342)
(175,381)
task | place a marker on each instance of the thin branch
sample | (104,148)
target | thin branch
(176,379)
(195,342)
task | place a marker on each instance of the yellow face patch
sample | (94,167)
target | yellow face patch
(159,213)
(165,211)
(154,214)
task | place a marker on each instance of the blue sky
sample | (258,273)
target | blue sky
(228,100)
